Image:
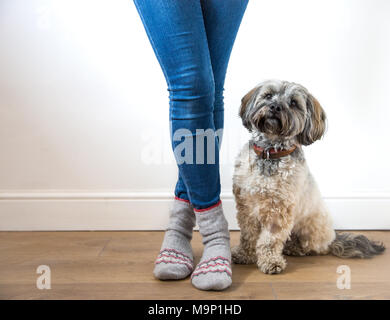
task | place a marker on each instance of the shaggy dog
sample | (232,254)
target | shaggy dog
(279,207)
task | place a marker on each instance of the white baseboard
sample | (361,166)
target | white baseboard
(45,211)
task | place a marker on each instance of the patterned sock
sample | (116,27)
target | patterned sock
(175,260)
(214,269)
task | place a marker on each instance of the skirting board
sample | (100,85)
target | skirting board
(48,211)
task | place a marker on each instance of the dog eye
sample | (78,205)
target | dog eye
(268,96)
(293,103)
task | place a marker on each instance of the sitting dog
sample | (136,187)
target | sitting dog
(279,207)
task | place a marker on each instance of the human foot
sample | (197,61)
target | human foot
(175,260)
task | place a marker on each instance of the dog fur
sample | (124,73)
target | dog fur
(279,206)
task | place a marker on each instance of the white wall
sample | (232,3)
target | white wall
(84,139)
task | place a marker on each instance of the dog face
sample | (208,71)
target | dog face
(285,110)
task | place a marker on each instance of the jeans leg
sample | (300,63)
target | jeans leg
(222,21)
(176,31)
(181,191)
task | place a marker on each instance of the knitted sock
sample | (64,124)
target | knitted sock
(214,270)
(175,260)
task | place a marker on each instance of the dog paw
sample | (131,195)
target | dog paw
(272,265)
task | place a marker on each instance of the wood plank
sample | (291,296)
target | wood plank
(118,265)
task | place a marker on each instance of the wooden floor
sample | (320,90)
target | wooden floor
(118,265)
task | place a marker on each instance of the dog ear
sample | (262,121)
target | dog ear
(244,106)
(315,122)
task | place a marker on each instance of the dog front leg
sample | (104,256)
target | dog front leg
(269,247)
(245,252)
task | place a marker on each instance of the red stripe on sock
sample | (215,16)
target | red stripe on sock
(180,199)
(212,265)
(175,257)
(209,208)
(175,251)
(213,259)
(205,272)
(176,262)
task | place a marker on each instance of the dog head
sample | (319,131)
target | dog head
(283,110)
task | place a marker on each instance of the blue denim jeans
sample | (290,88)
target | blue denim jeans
(192,40)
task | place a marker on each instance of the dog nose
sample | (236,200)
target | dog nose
(275,108)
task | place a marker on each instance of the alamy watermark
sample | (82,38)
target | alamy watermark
(191,147)
(43,17)
(44,280)
(344,279)
(205,140)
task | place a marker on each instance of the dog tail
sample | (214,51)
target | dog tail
(348,245)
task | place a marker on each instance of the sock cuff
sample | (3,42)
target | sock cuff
(183,203)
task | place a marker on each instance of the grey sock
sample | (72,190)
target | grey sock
(175,260)
(214,269)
